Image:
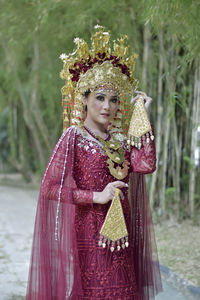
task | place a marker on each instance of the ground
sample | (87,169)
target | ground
(178,247)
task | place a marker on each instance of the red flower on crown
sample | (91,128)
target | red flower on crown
(84,65)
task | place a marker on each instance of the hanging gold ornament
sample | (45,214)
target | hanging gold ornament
(118,172)
(140,126)
(114,231)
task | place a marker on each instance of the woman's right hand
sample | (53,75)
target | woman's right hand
(108,193)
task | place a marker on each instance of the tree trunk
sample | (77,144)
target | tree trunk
(170,68)
(195,120)
(158,124)
(177,167)
(34,97)
(146,41)
(30,123)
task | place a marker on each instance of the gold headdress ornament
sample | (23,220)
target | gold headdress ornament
(89,68)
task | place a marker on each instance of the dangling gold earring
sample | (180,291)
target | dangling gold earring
(77,113)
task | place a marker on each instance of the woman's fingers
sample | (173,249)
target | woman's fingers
(147,103)
(112,194)
(147,99)
(111,187)
(134,99)
(138,96)
(119,184)
(121,195)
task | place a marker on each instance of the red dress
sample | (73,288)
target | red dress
(83,269)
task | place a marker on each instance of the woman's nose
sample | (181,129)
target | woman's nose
(106,104)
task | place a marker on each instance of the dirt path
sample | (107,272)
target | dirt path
(17,211)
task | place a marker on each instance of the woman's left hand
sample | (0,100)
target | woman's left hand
(147,100)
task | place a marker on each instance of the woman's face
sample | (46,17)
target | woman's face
(102,106)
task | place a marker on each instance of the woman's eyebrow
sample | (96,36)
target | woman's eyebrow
(102,94)
(99,93)
(114,97)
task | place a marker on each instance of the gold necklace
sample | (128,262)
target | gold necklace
(115,156)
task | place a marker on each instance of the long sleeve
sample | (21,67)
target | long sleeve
(79,196)
(143,160)
(82,197)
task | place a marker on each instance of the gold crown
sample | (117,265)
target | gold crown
(86,69)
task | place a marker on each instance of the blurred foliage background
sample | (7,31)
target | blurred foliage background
(165,34)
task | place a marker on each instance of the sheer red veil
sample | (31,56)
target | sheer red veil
(54,270)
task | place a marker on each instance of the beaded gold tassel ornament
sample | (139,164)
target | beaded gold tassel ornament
(114,231)
(140,131)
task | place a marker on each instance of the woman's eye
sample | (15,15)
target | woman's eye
(101,98)
(114,100)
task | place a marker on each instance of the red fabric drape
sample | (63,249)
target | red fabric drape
(54,269)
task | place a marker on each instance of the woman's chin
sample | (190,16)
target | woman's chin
(104,122)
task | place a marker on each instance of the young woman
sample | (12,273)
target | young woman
(71,259)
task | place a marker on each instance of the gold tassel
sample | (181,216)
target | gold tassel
(140,127)
(114,228)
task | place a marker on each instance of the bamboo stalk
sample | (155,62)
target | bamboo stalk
(34,97)
(194,121)
(158,124)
